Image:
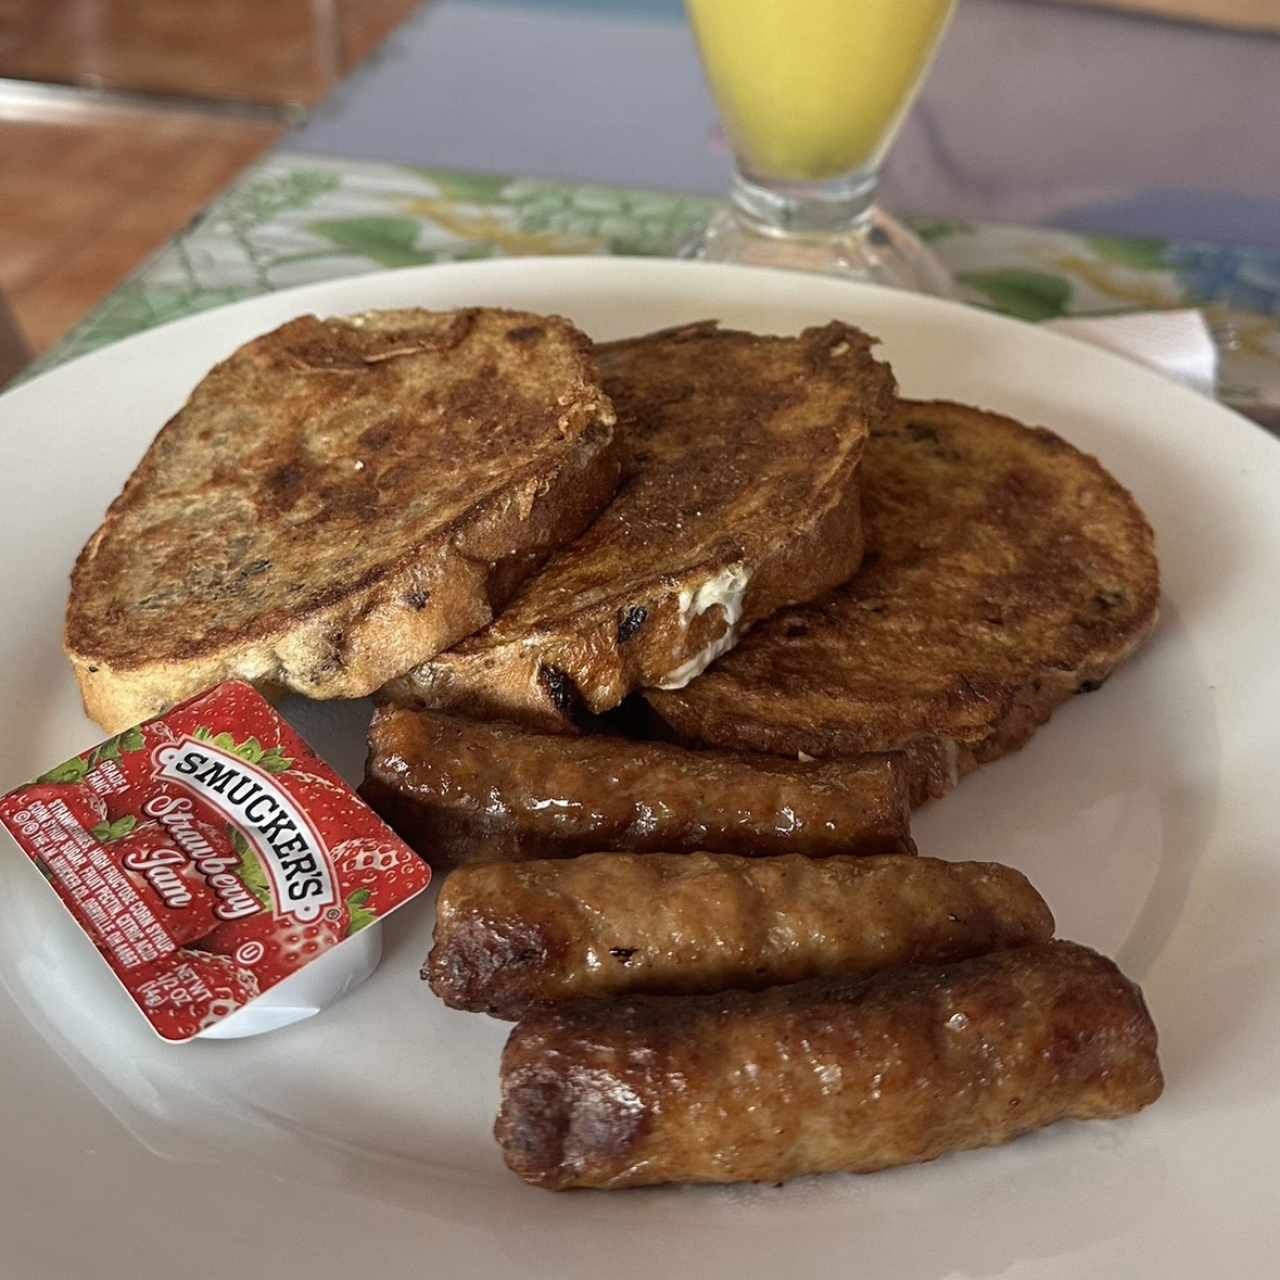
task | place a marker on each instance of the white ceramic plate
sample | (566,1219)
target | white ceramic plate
(359,1143)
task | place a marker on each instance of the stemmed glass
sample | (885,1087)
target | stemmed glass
(811,93)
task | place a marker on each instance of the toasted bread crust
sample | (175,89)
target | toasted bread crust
(337,501)
(739,495)
(1004,571)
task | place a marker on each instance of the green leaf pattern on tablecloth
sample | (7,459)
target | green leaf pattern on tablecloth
(295,220)
(136,306)
(1029,295)
(388,241)
(625,222)
(469,188)
(1145,255)
(267,196)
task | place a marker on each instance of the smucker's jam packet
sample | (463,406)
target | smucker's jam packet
(210,854)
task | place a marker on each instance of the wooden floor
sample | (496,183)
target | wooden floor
(88,191)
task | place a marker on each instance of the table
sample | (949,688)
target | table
(1043,113)
(295,219)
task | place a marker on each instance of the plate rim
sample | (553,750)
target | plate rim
(608,263)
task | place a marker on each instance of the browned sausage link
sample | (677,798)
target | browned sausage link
(461,791)
(834,1074)
(513,934)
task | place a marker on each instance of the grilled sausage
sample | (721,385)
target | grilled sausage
(461,791)
(851,1074)
(513,934)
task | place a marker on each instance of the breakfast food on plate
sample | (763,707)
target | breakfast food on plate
(1004,571)
(739,495)
(851,1074)
(727,962)
(512,935)
(339,500)
(466,791)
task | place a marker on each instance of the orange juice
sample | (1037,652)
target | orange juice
(813,89)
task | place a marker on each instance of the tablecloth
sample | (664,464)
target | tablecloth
(295,219)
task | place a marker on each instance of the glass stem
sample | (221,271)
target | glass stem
(777,208)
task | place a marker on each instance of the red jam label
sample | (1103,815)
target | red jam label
(210,854)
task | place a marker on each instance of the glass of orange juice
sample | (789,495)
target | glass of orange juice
(811,93)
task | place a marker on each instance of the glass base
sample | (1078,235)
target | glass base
(876,249)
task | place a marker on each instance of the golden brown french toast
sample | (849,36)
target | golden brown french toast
(1004,571)
(739,495)
(337,501)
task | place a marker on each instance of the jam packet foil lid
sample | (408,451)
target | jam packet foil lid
(233,882)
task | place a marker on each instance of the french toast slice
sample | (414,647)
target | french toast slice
(1004,571)
(337,501)
(739,495)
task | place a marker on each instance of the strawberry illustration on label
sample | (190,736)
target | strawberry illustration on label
(104,770)
(274,947)
(379,869)
(85,807)
(190,991)
(210,855)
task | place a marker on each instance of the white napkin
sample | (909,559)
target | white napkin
(1175,343)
